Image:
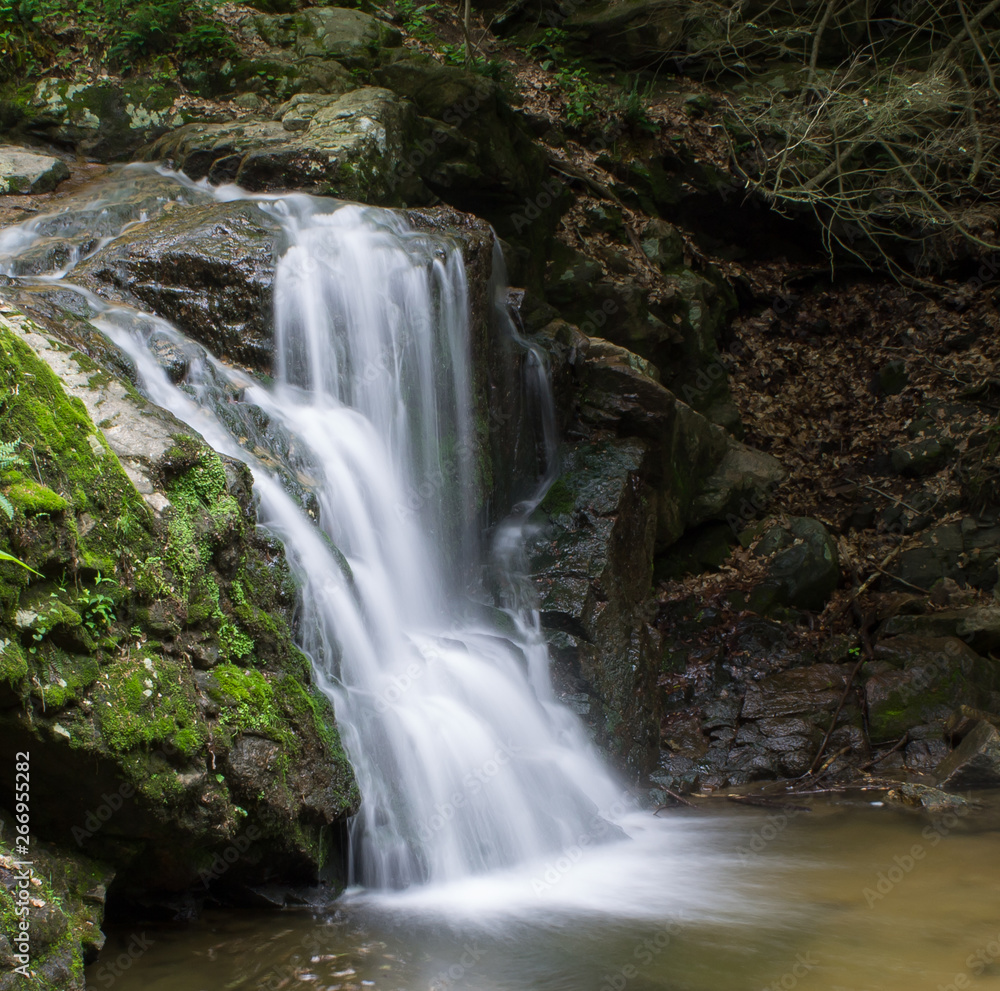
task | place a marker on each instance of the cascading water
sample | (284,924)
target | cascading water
(466,762)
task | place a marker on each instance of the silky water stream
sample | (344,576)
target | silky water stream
(492,850)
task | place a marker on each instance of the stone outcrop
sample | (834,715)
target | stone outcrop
(148,663)
(345,145)
(641,468)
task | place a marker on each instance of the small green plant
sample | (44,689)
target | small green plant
(9,458)
(45,623)
(97,609)
(632,108)
(233,642)
(550,47)
(584,97)
(415,18)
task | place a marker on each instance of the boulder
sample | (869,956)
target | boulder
(918,681)
(105,120)
(975,762)
(634,35)
(148,565)
(807,690)
(27,172)
(347,145)
(978,626)
(208,268)
(64,911)
(591,557)
(647,468)
(473,150)
(803,567)
(700,472)
(348,36)
(967,552)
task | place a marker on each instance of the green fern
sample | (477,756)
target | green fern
(9,458)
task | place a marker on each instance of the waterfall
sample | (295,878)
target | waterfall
(466,761)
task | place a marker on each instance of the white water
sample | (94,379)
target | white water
(478,786)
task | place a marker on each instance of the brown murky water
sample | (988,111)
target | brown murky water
(843,898)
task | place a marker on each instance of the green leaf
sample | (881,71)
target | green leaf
(10,557)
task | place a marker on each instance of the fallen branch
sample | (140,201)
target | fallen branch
(676,798)
(878,760)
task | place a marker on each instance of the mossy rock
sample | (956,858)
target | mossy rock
(919,681)
(65,903)
(137,591)
(105,120)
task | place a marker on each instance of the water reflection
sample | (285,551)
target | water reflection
(790,912)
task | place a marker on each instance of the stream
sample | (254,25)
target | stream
(493,849)
(818,901)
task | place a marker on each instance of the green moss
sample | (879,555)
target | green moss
(61,679)
(310,708)
(13,664)
(30,497)
(141,704)
(233,642)
(559,500)
(78,470)
(248,702)
(204,515)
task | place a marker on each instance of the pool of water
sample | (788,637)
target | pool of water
(844,897)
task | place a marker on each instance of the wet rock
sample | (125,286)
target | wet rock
(966,552)
(978,626)
(171,525)
(209,269)
(591,560)
(700,472)
(915,681)
(932,800)
(803,569)
(23,171)
(963,720)
(812,689)
(65,906)
(682,734)
(975,762)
